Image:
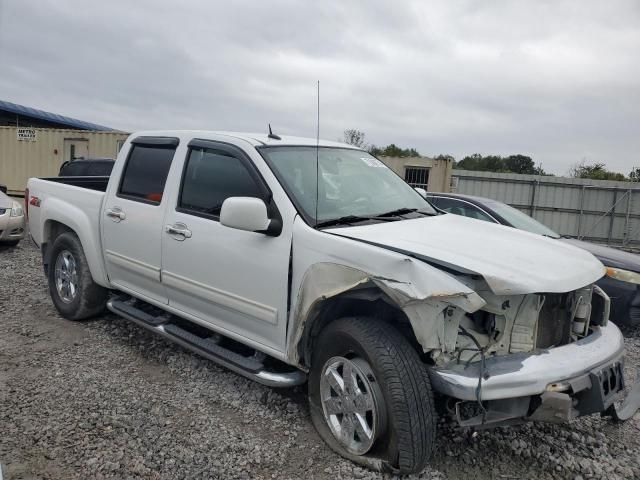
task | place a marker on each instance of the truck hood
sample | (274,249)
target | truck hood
(511,261)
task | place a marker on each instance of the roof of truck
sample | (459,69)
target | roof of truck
(255,139)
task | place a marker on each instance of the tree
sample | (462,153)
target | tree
(539,171)
(595,171)
(634,176)
(519,164)
(353,137)
(490,163)
(392,150)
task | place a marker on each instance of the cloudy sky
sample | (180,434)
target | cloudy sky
(557,80)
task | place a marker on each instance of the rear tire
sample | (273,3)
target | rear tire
(9,243)
(383,365)
(74,293)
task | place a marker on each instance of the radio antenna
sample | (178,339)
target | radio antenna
(318,150)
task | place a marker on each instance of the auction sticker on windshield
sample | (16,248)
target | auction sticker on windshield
(372,162)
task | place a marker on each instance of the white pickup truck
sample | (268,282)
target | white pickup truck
(289,262)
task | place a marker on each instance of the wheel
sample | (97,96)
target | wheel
(74,293)
(370,396)
(9,243)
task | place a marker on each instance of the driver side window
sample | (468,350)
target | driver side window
(212,176)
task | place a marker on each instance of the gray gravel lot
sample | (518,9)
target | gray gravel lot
(106,399)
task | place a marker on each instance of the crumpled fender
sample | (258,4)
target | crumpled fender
(326,265)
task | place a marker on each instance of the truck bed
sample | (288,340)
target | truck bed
(92,183)
(75,202)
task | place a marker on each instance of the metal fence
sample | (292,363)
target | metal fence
(597,210)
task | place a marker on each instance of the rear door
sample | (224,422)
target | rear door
(132,222)
(232,279)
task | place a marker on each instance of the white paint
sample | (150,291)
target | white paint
(244,213)
(511,261)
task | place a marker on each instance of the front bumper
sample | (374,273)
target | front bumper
(525,375)
(11,228)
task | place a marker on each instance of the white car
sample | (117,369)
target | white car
(12,222)
(291,261)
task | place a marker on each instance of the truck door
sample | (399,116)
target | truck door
(235,280)
(132,221)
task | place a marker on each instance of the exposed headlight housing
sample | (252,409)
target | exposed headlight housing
(16,210)
(623,275)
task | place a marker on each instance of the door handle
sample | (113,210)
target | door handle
(179,230)
(115,213)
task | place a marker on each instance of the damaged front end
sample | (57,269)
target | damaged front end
(500,351)
(500,359)
(536,357)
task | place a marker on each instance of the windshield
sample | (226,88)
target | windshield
(521,220)
(352,183)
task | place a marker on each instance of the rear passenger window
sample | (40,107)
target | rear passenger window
(212,176)
(146,173)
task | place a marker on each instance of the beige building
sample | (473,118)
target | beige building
(35,143)
(39,152)
(431,174)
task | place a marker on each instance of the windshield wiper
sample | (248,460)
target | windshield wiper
(402,211)
(384,217)
(347,219)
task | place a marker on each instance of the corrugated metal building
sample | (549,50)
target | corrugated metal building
(604,211)
(35,143)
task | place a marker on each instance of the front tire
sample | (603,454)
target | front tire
(370,396)
(74,293)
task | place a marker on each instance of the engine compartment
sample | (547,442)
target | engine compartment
(520,324)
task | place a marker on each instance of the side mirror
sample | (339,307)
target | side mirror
(421,191)
(249,214)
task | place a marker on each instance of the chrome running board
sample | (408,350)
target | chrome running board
(251,367)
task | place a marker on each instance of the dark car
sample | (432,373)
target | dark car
(87,167)
(622,281)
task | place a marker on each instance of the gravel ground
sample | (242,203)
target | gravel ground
(106,399)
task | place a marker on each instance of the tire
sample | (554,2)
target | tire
(9,243)
(403,421)
(87,298)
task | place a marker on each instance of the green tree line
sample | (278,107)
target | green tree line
(516,163)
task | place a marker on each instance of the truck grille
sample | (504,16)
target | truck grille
(554,326)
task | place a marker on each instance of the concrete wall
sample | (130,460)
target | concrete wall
(604,211)
(42,157)
(439,170)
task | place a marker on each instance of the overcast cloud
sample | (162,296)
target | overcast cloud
(557,80)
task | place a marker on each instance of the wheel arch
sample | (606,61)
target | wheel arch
(370,302)
(329,292)
(54,227)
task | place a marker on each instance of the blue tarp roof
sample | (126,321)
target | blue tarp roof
(50,117)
